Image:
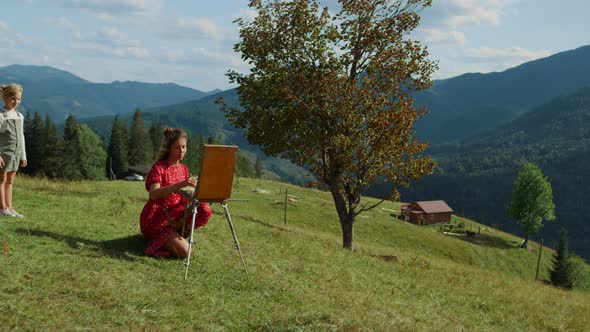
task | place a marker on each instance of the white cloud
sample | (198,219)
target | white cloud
(116,7)
(438,36)
(195,28)
(202,56)
(3,27)
(455,14)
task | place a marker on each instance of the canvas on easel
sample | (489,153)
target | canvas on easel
(216,173)
(214,185)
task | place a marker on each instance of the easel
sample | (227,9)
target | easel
(214,185)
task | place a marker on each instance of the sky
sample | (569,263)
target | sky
(190,42)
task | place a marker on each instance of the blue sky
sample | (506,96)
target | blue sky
(189,42)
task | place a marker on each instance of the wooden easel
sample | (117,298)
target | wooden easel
(214,185)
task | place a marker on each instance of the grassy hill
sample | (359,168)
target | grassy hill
(76,262)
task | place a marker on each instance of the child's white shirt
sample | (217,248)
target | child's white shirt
(7,115)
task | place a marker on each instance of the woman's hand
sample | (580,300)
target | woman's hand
(190,182)
(1,162)
(23,163)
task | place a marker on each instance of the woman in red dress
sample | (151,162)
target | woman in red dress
(163,183)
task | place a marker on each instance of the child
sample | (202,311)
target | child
(12,146)
(163,182)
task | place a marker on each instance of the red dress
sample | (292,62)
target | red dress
(153,222)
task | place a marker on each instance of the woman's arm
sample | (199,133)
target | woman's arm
(159,192)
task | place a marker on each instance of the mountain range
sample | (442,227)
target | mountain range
(56,92)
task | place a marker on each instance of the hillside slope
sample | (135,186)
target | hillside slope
(477,175)
(473,103)
(76,262)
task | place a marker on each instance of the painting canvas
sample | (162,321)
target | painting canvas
(218,164)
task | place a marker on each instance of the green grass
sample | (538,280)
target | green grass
(76,262)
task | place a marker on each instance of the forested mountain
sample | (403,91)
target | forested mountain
(476,176)
(56,92)
(204,117)
(473,103)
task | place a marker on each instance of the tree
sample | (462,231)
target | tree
(140,144)
(54,150)
(156,133)
(334,94)
(91,154)
(563,273)
(70,168)
(36,152)
(117,151)
(192,159)
(258,168)
(532,201)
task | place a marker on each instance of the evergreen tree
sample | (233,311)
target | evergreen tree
(35,155)
(140,144)
(54,153)
(532,200)
(258,168)
(70,168)
(91,152)
(28,132)
(156,133)
(562,274)
(117,151)
(192,158)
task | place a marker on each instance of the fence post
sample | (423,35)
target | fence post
(285,206)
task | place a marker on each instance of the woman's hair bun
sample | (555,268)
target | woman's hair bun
(168,131)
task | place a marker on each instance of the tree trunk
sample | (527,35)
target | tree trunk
(525,242)
(348,235)
(346,219)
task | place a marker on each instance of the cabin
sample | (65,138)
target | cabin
(426,212)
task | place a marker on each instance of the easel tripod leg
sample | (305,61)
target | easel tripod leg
(233,232)
(190,242)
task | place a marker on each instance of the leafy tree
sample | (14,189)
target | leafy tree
(244,167)
(334,94)
(140,144)
(563,273)
(258,168)
(117,151)
(532,200)
(91,153)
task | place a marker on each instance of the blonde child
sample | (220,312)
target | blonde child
(12,146)
(163,182)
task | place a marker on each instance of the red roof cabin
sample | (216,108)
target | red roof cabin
(426,212)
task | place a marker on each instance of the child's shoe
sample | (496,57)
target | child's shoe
(16,214)
(7,213)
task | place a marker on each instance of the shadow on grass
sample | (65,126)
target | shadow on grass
(126,248)
(487,240)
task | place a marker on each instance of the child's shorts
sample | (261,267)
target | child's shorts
(11,163)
